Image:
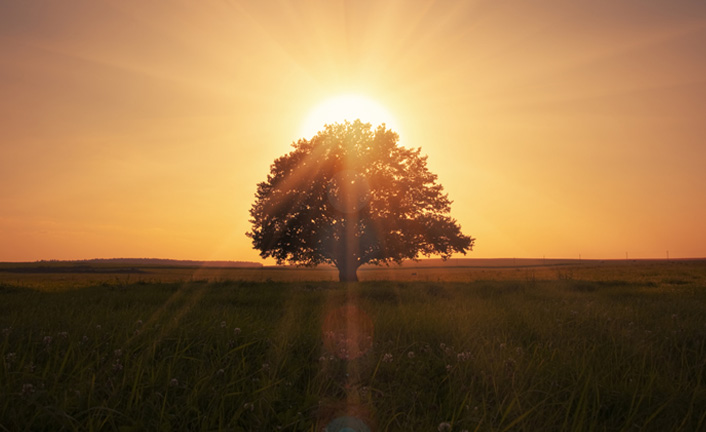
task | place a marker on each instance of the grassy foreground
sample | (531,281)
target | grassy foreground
(577,351)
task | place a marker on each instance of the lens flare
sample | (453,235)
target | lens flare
(347,332)
(347,424)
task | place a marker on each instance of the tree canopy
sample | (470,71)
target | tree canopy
(351,195)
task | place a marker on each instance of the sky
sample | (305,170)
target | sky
(559,129)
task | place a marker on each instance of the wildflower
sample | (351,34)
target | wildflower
(117,366)
(322,359)
(220,372)
(98,327)
(442,345)
(84,339)
(265,366)
(444,427)
(236,331)
(63,335)
(118,352)
(47,340)
(509,364)
(6,331)
(410,354)
(502,346)
(387,358)
(174,382)
(448,368)
(464,356)
(139,322)
(10,357)
(249,406)
(27,389)
(223,324)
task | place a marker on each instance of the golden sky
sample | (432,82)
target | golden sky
(140,129)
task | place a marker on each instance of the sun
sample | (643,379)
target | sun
(347,107)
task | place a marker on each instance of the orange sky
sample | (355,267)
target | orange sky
(140,129)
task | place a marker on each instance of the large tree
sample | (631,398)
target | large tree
(349,196)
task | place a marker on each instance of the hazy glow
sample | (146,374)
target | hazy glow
(558,128)
(347,107)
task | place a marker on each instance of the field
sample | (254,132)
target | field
(504,346)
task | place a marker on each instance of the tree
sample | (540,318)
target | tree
(349,196)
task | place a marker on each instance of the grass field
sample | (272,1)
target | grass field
(590,346)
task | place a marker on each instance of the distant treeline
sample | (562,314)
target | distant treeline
(115,265)
(169,262)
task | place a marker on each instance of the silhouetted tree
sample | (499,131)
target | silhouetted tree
(350,196)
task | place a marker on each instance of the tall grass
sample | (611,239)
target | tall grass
(567,354)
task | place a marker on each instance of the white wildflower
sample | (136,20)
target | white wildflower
(444,427)
(27,389)
(464,356)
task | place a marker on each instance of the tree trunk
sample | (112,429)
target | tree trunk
(348,273)
(348,261)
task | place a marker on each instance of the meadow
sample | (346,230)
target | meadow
(575,346)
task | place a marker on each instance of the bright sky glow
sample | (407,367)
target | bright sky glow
(558,128)
(347,107)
